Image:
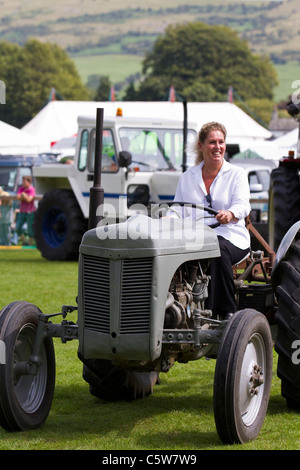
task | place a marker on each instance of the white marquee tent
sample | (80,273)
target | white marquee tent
(58,119)
(14,141)
(274,149)
(288,141)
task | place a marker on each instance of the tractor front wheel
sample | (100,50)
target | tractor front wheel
(25,397)
(243,377)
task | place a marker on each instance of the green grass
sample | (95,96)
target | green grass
(179,416)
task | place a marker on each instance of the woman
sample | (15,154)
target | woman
(216,183)
(5,218)
(26,194)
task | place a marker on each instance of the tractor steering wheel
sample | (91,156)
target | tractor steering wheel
(210,210)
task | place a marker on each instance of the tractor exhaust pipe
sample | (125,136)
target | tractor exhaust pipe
(96,192)
(185,126)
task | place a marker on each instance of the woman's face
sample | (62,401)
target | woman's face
(213,148)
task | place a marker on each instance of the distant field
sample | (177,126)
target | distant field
(117,66)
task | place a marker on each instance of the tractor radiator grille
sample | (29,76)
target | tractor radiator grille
(134,294)
(96,293)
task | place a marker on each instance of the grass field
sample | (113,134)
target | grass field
(117,66)
(179,416)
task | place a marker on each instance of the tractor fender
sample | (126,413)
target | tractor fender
(282,251)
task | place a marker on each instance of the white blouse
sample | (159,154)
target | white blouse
(229,191)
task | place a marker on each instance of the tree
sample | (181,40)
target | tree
(104,86)
(130,92)
(29,73)
(196,53)
(153,89)
(199,91)
(93,82)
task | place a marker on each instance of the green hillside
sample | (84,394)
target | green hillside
(83,25)
(111,37)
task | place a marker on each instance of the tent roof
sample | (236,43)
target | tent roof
(289,139)
(58,119)
(247,154)
(14,141)
(239,125)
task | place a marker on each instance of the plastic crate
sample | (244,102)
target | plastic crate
(257,296)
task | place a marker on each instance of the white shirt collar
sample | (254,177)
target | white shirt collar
(225,167)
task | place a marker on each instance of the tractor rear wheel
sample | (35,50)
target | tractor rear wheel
(59,226)
(284,202)
(287,343)
(111,383)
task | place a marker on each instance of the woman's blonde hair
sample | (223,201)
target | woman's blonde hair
(202,136)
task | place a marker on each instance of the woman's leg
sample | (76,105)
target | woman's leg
(222,289)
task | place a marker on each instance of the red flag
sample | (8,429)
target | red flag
(172,95)
(52,96)
(230,95)
(112,93)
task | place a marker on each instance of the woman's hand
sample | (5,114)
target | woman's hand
(224,217)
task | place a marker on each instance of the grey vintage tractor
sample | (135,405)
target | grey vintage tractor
(141,307)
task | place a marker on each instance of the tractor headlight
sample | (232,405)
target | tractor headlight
(138,194)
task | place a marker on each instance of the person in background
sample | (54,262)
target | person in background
(26,194)
(5,218)
(216,183)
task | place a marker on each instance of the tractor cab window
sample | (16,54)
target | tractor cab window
(173,143)
(146,147)
(109,160)
(153,149)
(83,151)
